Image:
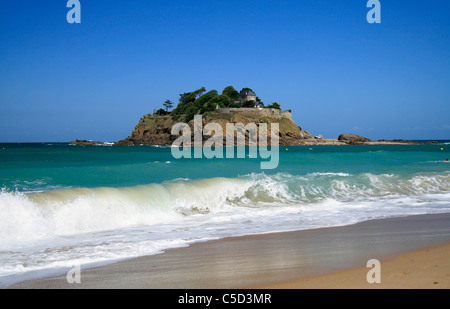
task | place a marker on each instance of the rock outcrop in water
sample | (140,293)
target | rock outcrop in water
(353,139)
(83,142)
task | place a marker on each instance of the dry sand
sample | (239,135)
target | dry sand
(424,269)
(414,253)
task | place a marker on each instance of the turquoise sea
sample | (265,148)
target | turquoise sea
(63,205)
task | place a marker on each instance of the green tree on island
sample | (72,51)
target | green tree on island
(160,112)
(274,105)
(250,103)
(168,104)
(231,93)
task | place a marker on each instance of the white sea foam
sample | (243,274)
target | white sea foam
(55,228)
(330,174)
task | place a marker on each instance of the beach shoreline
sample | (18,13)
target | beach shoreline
(283,260)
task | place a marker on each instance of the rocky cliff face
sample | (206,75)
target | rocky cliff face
(156,130)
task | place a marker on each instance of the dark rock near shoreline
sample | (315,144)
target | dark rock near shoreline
(400,141)
(353,139)
(83,142)
(432,142)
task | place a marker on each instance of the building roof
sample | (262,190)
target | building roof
(247,93)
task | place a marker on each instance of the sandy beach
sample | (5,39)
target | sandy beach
(414,252)
(423,269)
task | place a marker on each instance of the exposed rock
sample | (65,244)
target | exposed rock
(398,142)
(402,141)
(432,142)
(353,139)
(83,142)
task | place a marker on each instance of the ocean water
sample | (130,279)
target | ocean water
(63,205)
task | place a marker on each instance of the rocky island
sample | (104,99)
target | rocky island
(83,142)
(230,106)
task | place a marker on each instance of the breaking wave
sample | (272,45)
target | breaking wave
(82,210)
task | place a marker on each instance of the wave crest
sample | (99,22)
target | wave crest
(53,213)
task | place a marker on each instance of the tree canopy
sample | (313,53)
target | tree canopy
(274,105)
(231,93)
(168,104)
(200,101)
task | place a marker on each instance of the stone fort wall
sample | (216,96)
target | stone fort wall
(261,112)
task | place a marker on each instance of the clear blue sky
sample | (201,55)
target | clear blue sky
(338,73)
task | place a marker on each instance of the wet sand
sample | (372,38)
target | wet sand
(300,259)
